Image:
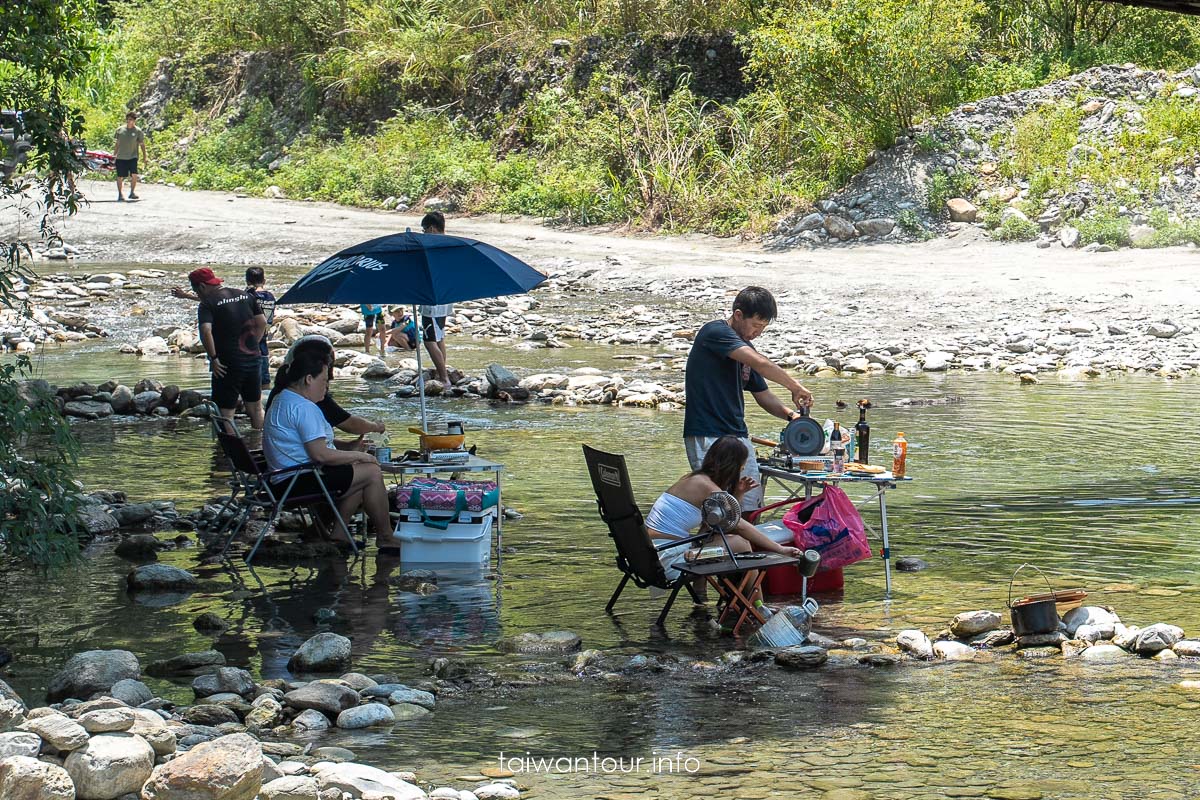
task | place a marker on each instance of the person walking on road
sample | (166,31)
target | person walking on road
(129,141)
(721,366)
(433,317)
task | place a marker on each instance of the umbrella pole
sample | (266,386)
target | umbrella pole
(420,368)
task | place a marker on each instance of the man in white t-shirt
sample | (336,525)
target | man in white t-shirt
(433,318)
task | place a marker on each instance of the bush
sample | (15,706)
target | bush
(945,186)
(1104,226)
(1015,229)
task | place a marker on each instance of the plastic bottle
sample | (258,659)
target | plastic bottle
(899,454)
(763,609)
(838,448)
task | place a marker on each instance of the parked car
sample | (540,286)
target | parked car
(15,143)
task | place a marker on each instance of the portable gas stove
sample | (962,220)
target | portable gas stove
(456,456)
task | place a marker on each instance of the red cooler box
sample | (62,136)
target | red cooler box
(786,579)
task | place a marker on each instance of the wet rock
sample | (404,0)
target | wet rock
(1088,615)
(1041,640)
(88,409)
(110,765)
(331,699)
(25,778)
(139,547)
(973,623)
(403,712)
(560,642)
(209,622)
(911,564)
(92,672)
(359,779)
(265,714)
(1157,637)
(160,578)
(915,643)
(497,791)
(808,657)
(1188,648)
(131,692)
(366,716)
(188,664)
(59,731)
(209,715)
(1103,652)
(312,720)
(879,659)
(1093,633)
(501,379)
(414,696)
(325,652)
(228,768)
(357,681)
(224,680)
(954,651)
(19,743)
(122,400)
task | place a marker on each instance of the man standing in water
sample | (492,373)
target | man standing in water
(256,284)
(232,324)
(720,367)
(129,139)
(433,318)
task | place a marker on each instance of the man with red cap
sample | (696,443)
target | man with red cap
(231,325)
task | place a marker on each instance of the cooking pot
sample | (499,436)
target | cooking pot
(1035,614)
(436,441)
(803,436)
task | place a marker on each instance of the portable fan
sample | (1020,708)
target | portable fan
(721,512)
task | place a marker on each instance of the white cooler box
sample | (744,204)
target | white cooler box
(465,546)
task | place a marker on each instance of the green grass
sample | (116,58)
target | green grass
(1015,229)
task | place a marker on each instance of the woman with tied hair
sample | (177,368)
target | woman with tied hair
(676,513)
(297,433)
(334,414)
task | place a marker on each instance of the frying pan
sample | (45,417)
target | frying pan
(803,436)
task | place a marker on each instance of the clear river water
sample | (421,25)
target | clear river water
(1093,482)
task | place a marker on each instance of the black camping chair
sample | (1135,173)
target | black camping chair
(637,556)
(268,489)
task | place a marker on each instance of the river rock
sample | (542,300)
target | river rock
(160,578)
(88,409)
(378,370)
(1188,648)
(560,642)
(110,765)
(12,714)
(26,778)
(497,791)
(1154,638)
(1094,633)
(500,379)
(839,228)
(915,643)
(122,400)
(145,402)
(209,715)
(1088,615)
(228,768)
(365,716)
(325,652)
(223,680)
(209,622)
(92,672)
(19,743)
(1053,639)
(107,720)
(291,787)
(973,623)
(911,564)
(330,699)
(139,547)
(414,696)
(311,720)
(1103,652)
(357,681)
(59,731)
(406,711)
(807,657)
(153,346)
(132,514)
(954,651)
(190,664)
(359,779)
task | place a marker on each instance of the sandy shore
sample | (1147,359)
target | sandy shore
(175,226)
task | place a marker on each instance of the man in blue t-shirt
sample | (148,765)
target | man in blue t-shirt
(721,365)
(256,284)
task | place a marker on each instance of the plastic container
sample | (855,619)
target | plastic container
(899,454)
(466,546)
(786,579)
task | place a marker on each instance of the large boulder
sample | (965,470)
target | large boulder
(160,578)
(291,787)
(88,409)
(915,643)
(26,778)
(122,400)
(973,623)
(1088,615)
(19,743)
(501,379)
(228,768)
(107,720)
(132,514)
(358,779)
(961,210)
(110,765)
(202,663)
(91,672)
(331,699)
(325,652)
(365,716)
(559,642)
(223,680)
(59,731)
(1157,637)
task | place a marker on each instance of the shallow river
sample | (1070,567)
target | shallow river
(1094,482)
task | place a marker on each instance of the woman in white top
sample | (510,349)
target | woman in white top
(296,432)
(676,512)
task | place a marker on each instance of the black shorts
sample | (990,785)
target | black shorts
(243,382)
(126,167)
(337,478)
(433,328)
(371,319)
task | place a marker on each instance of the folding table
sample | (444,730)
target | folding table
(736,583)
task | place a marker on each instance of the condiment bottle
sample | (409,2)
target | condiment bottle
(899,454)
(864,431)
(838,448)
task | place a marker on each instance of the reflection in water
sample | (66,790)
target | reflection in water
(1011,474)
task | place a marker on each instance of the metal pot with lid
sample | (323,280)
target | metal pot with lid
(803,436)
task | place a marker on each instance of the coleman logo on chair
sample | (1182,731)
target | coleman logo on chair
(609,475)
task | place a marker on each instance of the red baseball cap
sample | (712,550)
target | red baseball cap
(204,275)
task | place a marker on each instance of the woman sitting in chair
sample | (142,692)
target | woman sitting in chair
(297,433)
(676,513)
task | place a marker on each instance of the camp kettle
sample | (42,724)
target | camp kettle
(1033,615)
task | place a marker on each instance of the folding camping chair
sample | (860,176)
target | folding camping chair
(267,489)
(638,557)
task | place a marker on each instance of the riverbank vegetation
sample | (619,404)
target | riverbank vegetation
(665,114)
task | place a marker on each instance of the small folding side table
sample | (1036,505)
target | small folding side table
(736,582)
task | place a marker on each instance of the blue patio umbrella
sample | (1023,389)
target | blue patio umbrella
(414,269)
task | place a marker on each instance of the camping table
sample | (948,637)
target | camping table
(737,583)
(796,481)
(402,469)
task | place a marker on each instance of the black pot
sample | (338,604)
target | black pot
(1031,617)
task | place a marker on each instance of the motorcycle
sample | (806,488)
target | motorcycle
(94,160)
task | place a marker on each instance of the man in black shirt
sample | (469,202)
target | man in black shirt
(722,365)
(232,324)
